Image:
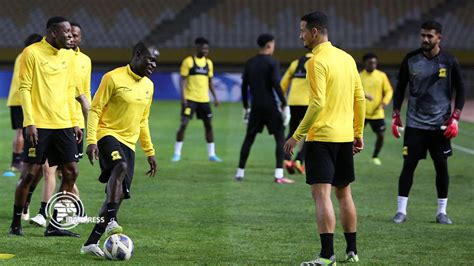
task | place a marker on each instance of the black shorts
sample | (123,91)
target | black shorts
(111,152)
(203,110)
(259,119)
(297,114)
(377,125)
(417,142)
(16,114)
(329,162)
(80,147)
(59,146)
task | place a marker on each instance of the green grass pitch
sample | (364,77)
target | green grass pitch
(193,212)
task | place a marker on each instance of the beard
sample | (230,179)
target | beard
(427,47)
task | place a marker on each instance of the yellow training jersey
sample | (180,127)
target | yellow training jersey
(295,77)
(336,105)
(197,72)
(377,85)
(48,86)
(120,108)
(83,71)
(14,98)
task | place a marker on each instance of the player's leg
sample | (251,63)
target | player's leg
(26,210)
(348,218)
(325,218)
(279,136)
(299,157)
(16,114)
(294,122)
(244,153)
(178,146)
(49,187)
(209,134)
(378,126)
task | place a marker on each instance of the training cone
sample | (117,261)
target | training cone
(8,173)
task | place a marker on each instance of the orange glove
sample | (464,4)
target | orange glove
(451,126)
(396,124)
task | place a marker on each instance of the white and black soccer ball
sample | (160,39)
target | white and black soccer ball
(118,247)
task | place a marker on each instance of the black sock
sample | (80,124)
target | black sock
(53,220)
(42,209)
(28,199)
(81,212)
(16,159)
(95,235)
(111,211)
(351,242)
(16,220)
(327,245)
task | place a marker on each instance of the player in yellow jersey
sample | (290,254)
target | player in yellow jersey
(83,71)
(333,126)
(294,81)
(117,119)
(378,94)
(48,89)
(196,82)
(16,113)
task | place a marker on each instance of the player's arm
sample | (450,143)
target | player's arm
(458,84)
(101,99)
(359,112)
(286,79)
(245,97)
(184,72)
(276,83)
(85,101)
(211,85)
(387,90)
(398,96)
(27,63)
(85,105)
(145,138)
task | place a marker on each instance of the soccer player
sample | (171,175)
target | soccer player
(196,82)
(333,125)
(47,89)
(261,75)
(117,119)
(432,74)
(378,94)
(294,80)
(83,75)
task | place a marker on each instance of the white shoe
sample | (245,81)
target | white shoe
(113,228)
(38,220)
(26,216)
(92,249)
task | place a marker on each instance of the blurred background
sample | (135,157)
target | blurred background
(111,27)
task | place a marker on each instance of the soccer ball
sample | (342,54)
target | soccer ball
(118,247)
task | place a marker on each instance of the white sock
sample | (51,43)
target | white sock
(442,204)
(211,149)
(177,147)
(278,172)
(240,172)
(402,204)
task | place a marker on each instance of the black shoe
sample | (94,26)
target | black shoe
(59,232)
(16,231)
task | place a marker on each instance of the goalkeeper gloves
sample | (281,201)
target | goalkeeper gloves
(451,126)
(286,115)
(397,125)
(246,115)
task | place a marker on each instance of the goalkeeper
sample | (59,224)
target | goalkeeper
(261,76)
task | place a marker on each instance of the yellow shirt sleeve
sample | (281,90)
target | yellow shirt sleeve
(186,66)
(316,78)
(211,68)
(286,79)
(26,81)
(74,90)
(145,137)
(101,98)
(359,105)
(387,89)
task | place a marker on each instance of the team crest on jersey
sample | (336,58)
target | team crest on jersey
(32,152)
(115,156)
(442,72)
(405,151)
(147,94)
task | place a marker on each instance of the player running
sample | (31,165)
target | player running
(117,119)
(432,75)
(294,80)
(333,125)
(196,82)
(261,75)
(378,93)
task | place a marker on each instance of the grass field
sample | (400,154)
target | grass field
(193,212)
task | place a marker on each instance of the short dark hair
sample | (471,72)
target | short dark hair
(201,41)
(139,47)
(368,56)
(75,24)
(432,25)
(264,38)
(317,20)
(32,39)
(54,21)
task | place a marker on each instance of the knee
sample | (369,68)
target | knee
(70,172)
(121,167)
(342,193)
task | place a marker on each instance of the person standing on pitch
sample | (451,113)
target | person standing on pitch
(432,75)
(48,88)
(196,82)
(294,80)
(378,93)
(261,75)
(333,126)
(117,119)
